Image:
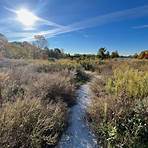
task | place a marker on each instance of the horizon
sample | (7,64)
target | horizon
(79,26)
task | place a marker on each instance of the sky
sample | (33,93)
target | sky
(78,26)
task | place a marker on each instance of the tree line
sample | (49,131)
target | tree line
(42,43)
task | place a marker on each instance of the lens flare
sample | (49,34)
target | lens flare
(26,17)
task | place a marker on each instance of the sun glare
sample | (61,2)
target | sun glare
(26,17)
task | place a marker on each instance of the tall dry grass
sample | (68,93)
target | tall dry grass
(134,82)
(35,103)
(118,113)
(26,81)
(29,123)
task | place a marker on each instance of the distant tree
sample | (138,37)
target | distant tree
(101,53)
(57,50)
(67,55)
(47,51)
(107,54)
(135,55)
(114,54)
(40,41)
(143,55)
(77,55)
(56,53)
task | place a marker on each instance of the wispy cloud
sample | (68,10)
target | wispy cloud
(140,27)
(100,20)
(91,22)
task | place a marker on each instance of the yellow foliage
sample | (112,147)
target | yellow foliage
(134,82)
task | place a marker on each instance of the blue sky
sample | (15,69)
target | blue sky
(80,26)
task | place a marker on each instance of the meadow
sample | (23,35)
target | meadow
(73,74)
(118,114)
(36,96)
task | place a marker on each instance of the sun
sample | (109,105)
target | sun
(26,17)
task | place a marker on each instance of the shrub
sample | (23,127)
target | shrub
(133,81)
(68,64)
(97,86)
(56,86)
(15,85)
(48,68)
(88,64)
(104,69)
(24,82)
(80,76)
(28,123)
(118,122)
(118,113)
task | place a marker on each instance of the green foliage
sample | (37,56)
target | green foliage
(28,123)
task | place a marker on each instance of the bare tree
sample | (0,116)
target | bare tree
(40,41)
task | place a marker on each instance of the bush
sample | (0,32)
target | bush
(53,67)
(118,113)
(56,86)
(118,122)
(34,123)
(97,86)
(133,81)
(88,64)
(28,123)
(24,82)
(80,76)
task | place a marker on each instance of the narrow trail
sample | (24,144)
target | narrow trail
(78,134)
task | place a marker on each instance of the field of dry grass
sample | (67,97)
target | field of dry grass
(118,113)
(35,95)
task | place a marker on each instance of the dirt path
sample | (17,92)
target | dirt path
(78,134)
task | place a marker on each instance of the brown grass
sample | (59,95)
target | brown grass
(35,99)
(24,81)
(28,123)
(121,119)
